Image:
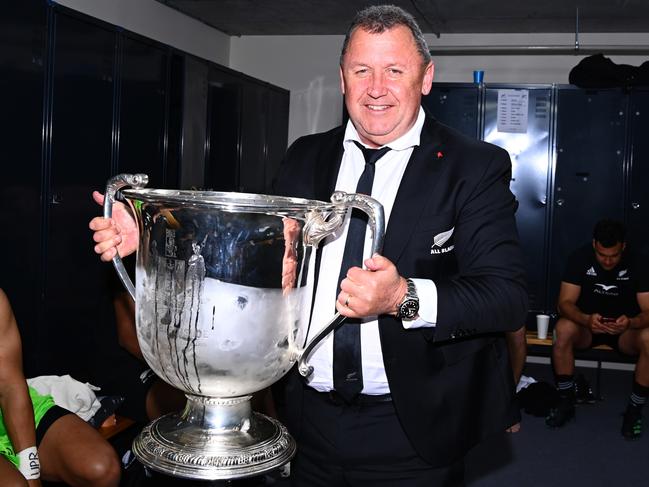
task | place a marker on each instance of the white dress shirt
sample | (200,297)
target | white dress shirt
(387,178)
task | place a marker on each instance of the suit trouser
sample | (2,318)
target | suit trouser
(342,445)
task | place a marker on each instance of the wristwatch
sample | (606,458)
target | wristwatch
(409,306)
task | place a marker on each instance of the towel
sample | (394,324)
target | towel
(68,393)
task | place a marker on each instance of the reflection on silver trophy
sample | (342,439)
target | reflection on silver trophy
(223,296)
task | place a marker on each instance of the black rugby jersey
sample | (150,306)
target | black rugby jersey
(609,293)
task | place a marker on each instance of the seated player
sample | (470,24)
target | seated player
(39,439)
(603,299)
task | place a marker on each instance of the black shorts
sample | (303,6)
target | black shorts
(612,341)
(52,414)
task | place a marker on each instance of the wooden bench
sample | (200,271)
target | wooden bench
(598,354)
(114,425)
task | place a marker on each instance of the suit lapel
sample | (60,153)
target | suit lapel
(329,159)
(418,183)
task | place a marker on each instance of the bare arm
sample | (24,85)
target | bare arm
(16,405)
(641,320)
(567,305)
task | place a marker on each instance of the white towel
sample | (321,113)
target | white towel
(68,393)
(524,382)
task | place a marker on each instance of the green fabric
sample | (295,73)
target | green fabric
(41,405)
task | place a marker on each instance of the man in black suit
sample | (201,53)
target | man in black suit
(436,381)
(419,373)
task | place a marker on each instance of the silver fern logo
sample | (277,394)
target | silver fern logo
(439,240)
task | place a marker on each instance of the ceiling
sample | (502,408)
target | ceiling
(322,17)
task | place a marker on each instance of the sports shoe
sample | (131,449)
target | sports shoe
(560,414)
(632,424)
(583,391)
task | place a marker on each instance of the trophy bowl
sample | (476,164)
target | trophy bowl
(223,296)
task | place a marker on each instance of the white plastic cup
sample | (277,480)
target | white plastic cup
(542,322)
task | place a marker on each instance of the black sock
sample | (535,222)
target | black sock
(565,385)
(639,395)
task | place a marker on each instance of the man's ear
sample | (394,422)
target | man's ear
(342,80)
(427,81)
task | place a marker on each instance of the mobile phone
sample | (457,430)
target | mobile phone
(607,320)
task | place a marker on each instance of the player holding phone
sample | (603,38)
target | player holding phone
(604,299)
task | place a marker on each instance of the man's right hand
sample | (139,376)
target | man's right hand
(114,235)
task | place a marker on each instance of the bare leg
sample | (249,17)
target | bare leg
(10,475)
(517,347)
(75,453)
(636,342)
(569,336)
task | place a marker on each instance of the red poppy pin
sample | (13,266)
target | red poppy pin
(440,154)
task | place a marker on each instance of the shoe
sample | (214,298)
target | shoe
(560,414)
(632,424)
(583,391)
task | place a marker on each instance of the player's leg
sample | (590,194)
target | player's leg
(75,453)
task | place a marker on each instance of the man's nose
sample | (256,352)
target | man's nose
(376,87)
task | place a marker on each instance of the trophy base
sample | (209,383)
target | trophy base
(214,439)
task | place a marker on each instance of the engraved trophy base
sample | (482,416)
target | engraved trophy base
(214,439)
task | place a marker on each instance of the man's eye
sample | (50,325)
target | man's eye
(395,71)
(361,71)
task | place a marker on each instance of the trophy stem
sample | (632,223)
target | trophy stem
(214,439)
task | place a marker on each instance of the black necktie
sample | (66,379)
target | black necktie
(347,370)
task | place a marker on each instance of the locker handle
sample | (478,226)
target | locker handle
(635,205)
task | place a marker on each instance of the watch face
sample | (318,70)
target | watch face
(409,308)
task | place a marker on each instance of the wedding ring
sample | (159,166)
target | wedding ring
(347,300)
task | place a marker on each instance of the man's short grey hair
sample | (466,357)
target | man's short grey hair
(379,18)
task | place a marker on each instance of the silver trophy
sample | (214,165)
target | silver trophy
(223,297)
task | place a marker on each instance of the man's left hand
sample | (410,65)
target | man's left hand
(373,291)
(620,325)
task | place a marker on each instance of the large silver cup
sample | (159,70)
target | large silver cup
(223,296)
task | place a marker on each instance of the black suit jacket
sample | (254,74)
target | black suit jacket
(451,384)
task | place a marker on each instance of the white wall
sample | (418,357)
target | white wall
(308,66)
(305,65)
(161,23)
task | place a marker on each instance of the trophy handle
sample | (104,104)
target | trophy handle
(376,221)
(113,185)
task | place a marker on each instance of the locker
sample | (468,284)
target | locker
(143,95)
(637,206)
(530,153)
(81,111)
(589,177)
(23,26)
(456,105)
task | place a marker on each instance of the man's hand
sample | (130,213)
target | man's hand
(114,235)
(620,325)
(377,290)
(598,324)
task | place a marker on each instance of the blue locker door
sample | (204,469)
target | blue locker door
(589,175)
(455,105)
(638,203)
(528,142)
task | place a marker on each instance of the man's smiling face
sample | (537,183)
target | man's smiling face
(383,78)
